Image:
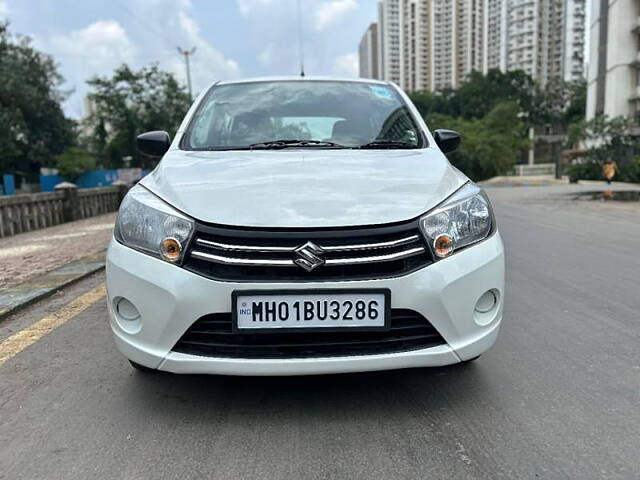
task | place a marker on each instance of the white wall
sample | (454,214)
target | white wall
(622,53)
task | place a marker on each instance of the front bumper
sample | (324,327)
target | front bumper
(170,299)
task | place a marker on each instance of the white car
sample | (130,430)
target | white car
(303,226)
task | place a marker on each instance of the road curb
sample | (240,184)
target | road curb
(20,296)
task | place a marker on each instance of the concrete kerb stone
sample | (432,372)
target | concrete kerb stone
(20,296)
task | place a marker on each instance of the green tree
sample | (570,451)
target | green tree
(129,103)
(33,127)
(577,105)
(74,162)
(478,95)
(559,105)
(490,145)
(430,103)
(556,108)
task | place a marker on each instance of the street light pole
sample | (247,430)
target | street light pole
(187,54)
(300,42)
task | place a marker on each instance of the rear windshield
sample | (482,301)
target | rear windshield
(348,114)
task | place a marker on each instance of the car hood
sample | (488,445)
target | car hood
(304,188)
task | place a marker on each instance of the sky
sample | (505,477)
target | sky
(233,38)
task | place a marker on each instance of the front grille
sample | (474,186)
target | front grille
(237,254)
(212,336)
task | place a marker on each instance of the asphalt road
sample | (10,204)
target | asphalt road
(557,397)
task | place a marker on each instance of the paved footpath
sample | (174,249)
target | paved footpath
(28,255)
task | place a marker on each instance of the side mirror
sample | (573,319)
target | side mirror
(153,144)
(447,140)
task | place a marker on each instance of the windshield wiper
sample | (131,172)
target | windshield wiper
(387,144)
(277,144)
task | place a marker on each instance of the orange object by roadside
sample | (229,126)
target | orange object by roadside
(609,170)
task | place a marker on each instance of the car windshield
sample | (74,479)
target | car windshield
(302,114)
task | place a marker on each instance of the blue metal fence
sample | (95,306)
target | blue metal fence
(95,178)
(8,186)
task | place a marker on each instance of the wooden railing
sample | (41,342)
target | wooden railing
(24,213)
(98,201)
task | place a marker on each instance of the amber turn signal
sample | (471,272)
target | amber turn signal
(171,249)
(443,245)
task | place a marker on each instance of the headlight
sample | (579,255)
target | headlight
(463,219)
(149,225)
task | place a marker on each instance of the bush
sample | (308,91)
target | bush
(629,172)
(589,170)
(592,170)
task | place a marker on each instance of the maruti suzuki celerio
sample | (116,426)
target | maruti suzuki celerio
(303,226)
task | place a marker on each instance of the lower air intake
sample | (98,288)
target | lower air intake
(212,336)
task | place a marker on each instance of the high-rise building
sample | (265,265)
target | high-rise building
(545,38)
(496,35)
(415,67)
(574,40)
(523,35)
(389,31)
(443,52)
(435,44)
(368,53)
(613,76)
(470,27)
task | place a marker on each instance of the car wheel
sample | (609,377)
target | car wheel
(141,368)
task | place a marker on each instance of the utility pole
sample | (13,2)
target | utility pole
(300,41)
(187,54)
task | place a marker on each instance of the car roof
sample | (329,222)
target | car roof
(298,78)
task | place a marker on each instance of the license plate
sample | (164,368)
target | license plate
(311,309)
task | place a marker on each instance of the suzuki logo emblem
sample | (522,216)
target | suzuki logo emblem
(308,256)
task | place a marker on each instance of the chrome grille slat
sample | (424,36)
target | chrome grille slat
(242,248)
(327,248)
(281,255)
(377,258)
(274,262)
(372,246)
(252,262)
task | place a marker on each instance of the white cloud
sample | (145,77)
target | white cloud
(346,65)
(149,32)
(174,24)
(246,7)
(323,13)
(332,12)
(275,32)
(4,9)
(97,48)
